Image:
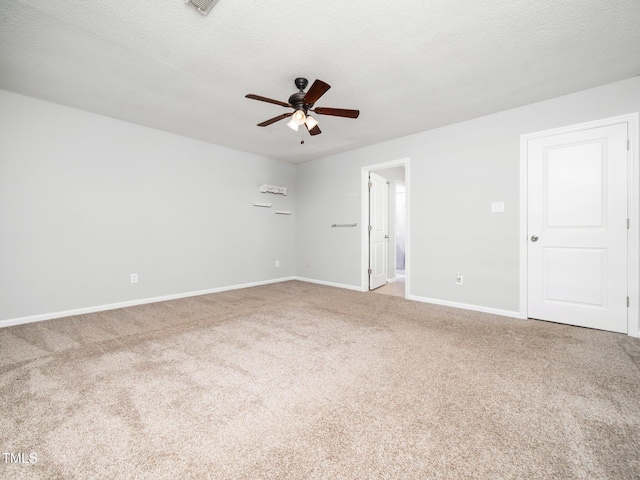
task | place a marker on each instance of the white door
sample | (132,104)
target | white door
(378,230)
(577,228)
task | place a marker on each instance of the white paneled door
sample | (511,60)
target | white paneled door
(577,228)
(378,230)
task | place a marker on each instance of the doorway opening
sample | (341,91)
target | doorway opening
(392,268)
(401,226)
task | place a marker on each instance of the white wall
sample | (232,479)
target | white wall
(455,173)
(330,196)
(85,200)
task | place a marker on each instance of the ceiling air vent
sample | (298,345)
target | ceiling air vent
(203,6)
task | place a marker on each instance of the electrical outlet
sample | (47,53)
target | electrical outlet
(497,207)
(134,278)
(277,263)
(459,279)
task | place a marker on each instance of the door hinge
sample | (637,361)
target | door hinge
(370,185)
(627,302)
(628,144)
(369,271)
(628,223)
(370,228)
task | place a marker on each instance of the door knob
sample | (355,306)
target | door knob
(534,238)
(386,236)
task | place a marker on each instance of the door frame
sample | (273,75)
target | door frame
(633,210)
(364,202)
(395,227)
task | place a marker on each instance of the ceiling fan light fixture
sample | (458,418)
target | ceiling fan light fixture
(292,124)
(298,117)
(311,122)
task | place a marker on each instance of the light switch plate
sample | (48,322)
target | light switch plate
(497,207)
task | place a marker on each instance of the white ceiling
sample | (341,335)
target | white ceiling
(408,65)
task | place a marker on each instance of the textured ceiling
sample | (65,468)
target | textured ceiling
(408,66)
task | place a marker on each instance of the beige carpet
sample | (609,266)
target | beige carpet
(301,381)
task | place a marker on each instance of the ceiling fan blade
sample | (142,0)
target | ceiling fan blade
(337,112)
(314,131)
(268,100)
(318,89)
(274,119)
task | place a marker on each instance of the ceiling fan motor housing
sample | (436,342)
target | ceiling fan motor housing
(297,101)
(301,83)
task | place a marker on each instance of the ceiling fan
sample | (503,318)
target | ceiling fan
(302,103)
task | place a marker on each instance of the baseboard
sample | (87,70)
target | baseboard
(330,284)
(131,303)
(467,306)
(446,303)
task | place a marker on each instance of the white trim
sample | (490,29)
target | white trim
(395,227)
(164,298)
(131,303)
(633,211)
(364,199)
(435,301)
(466,306)
(329,284)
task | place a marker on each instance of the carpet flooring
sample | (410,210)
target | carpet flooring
(302,381)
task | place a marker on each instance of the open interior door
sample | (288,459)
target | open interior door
(378,230)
